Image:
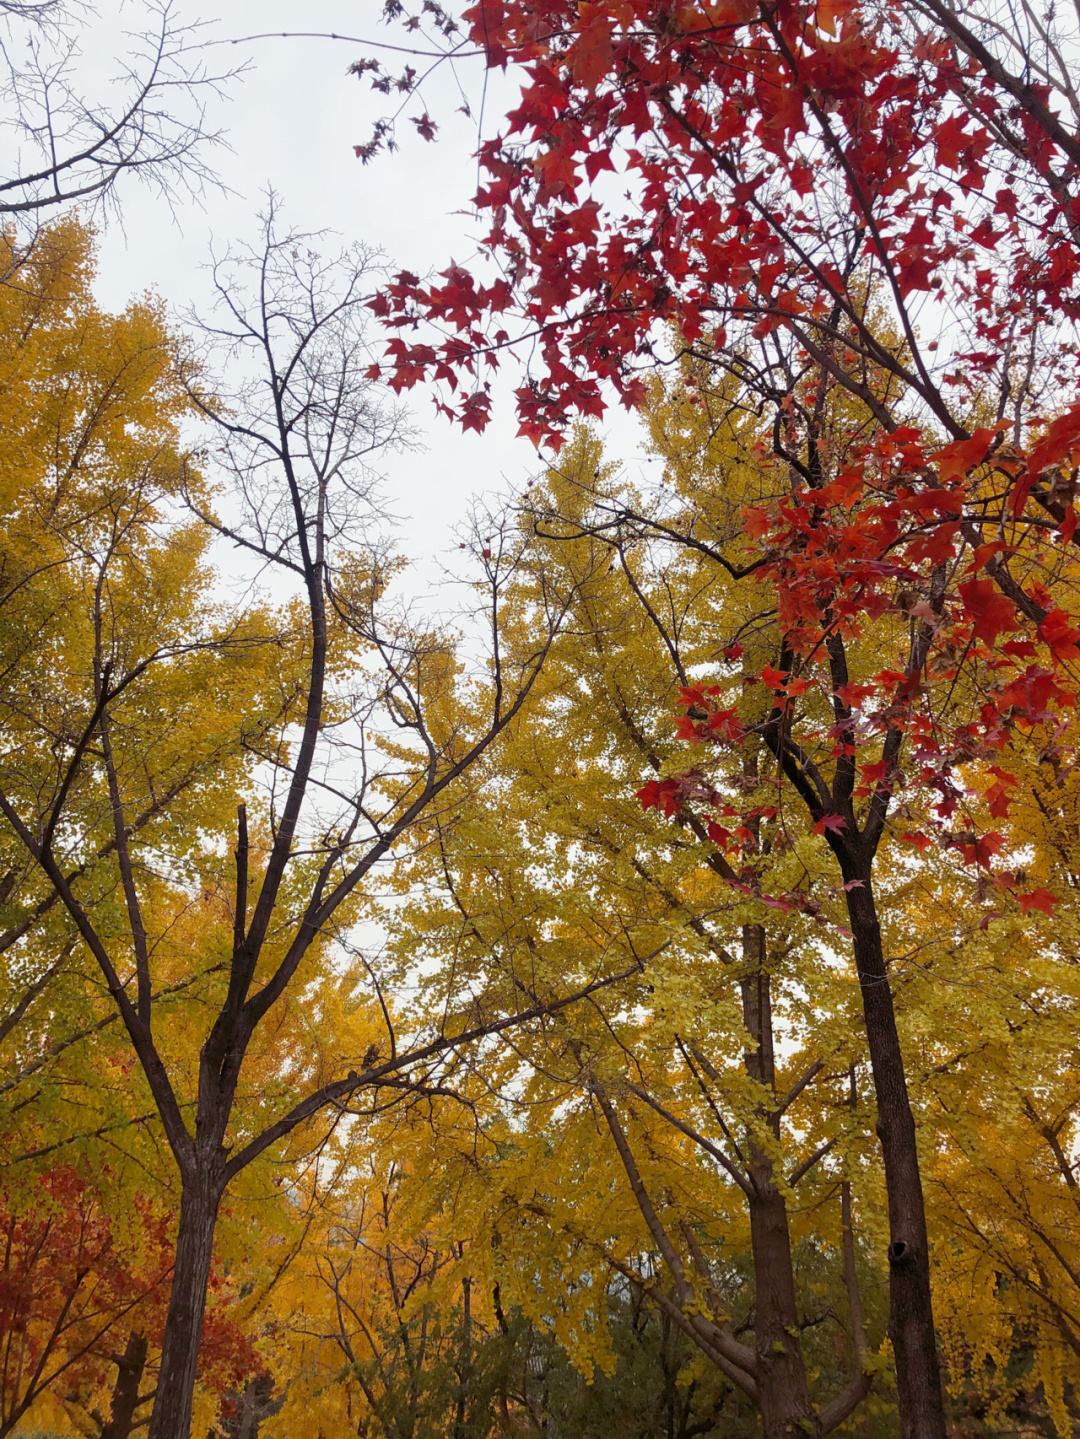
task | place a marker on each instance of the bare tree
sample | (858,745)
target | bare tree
(67,144)
(367,741)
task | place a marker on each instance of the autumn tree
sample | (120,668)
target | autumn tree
(66,1291)
(971,936)
(673,1091)
(382,1324)
(376,1326)
(564,862)
(780,164)
(84,1287)
(1002,1098)
(342,720)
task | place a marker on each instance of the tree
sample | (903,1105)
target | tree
(546,868)
(384,1327)
(374,1334)
(76,1277)
(984,996)
(346,721)
(73,148)
(65,1290)
(784,164)
(1002,1099)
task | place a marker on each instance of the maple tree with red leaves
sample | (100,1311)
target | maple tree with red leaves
(68,1286)
(830,204)
(62,1288)
(72,1289)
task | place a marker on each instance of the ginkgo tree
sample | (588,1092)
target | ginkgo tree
(550,865)
(385,1323)
(1002,1094)
(379,1328)
(552,860)
(727,713)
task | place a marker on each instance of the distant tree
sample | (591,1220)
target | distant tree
(393,1334)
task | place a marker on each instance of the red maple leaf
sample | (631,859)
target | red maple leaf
(660,794)
(830,824)
(1060,635)
(589,57)
(1037,899)
(774,679)
(990,612)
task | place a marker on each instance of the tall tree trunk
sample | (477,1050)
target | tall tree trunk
(200,1197)
(787,1411)
(464,1364)
(125,1396)
(783,1392)
(911,1312)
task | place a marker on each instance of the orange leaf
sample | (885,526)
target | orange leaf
(955,460)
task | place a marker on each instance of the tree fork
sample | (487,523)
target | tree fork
(125,1397)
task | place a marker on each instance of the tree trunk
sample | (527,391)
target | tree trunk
(911,1314)
(257,1403)
(125,1396)
(171,1416)
(464,1365)
(787,1411)
(783,1393)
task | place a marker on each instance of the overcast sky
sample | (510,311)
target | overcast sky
(292,122)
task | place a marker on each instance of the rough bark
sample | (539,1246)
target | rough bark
(200,1197)
(911,1312)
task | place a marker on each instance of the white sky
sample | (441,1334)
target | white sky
(292,122)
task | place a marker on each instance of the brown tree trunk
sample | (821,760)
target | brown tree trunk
(125,1396)
(783,1392)
(464,1365)
(911,1313)
(200,1197)
(257,1403)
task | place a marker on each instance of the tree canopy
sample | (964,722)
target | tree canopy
(638,992)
